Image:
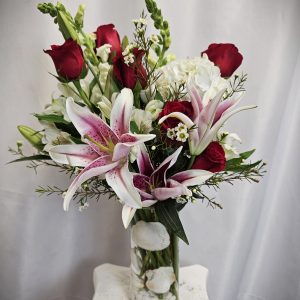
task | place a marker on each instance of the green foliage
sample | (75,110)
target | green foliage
(168,215)
(32,157)
(52,118)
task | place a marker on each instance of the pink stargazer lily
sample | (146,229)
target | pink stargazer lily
(207,118)
(154,185)
(106,149)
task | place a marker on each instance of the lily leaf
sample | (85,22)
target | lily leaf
(52,118)
(247,154)
(133,127)
(33,157)
(168,215)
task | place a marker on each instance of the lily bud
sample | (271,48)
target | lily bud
(32,136)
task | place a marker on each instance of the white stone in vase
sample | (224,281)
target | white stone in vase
(160,280)
(152,236)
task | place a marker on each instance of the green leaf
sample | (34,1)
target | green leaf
(52,118)
(33,157)
(133,127)
(158,96)
(125,42)
(168,215)
(137,92)
(247,154)
(110,85)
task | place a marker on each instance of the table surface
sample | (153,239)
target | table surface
(112,282)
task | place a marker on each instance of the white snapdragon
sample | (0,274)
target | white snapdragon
(103,52)
(229,142)
(154,107)
(105,106)
(57,106)
(143,120)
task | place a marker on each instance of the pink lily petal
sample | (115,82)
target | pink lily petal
(121,112)
(127,141)
(142,184)
(143,161)
(121,180)
(174,189)
(225,105)
(158,177)
(192,177)
(90,126)
(73,154)
(97,167)
(196,102)
(211,134)
(207,115)
(127,215)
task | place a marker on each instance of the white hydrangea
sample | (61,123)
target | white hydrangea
(198,70)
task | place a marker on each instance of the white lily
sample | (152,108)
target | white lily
(106,149)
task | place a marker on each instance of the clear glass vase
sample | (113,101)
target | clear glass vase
(154,259)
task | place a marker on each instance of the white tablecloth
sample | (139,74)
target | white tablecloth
(111,282)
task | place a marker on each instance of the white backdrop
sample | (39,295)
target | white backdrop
(251,247)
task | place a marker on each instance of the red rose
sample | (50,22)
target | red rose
(107,34)
(68,59)
(128,75)
(184,107)
(211,159)
(225,56)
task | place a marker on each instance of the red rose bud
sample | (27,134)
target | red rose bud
(184,107)
(211,159)
(127,75)
(68,59)
(225,56)
(107,34)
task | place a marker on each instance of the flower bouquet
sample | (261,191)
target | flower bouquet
(132,122)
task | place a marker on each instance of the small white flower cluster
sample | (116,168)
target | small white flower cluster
(180,133)
(83,206)
(140,25)
(128,55)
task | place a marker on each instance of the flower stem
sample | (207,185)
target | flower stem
(95,75)
(175,249)
(83,94)
(191,162)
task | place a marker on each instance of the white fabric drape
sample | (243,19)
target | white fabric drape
(251,247)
